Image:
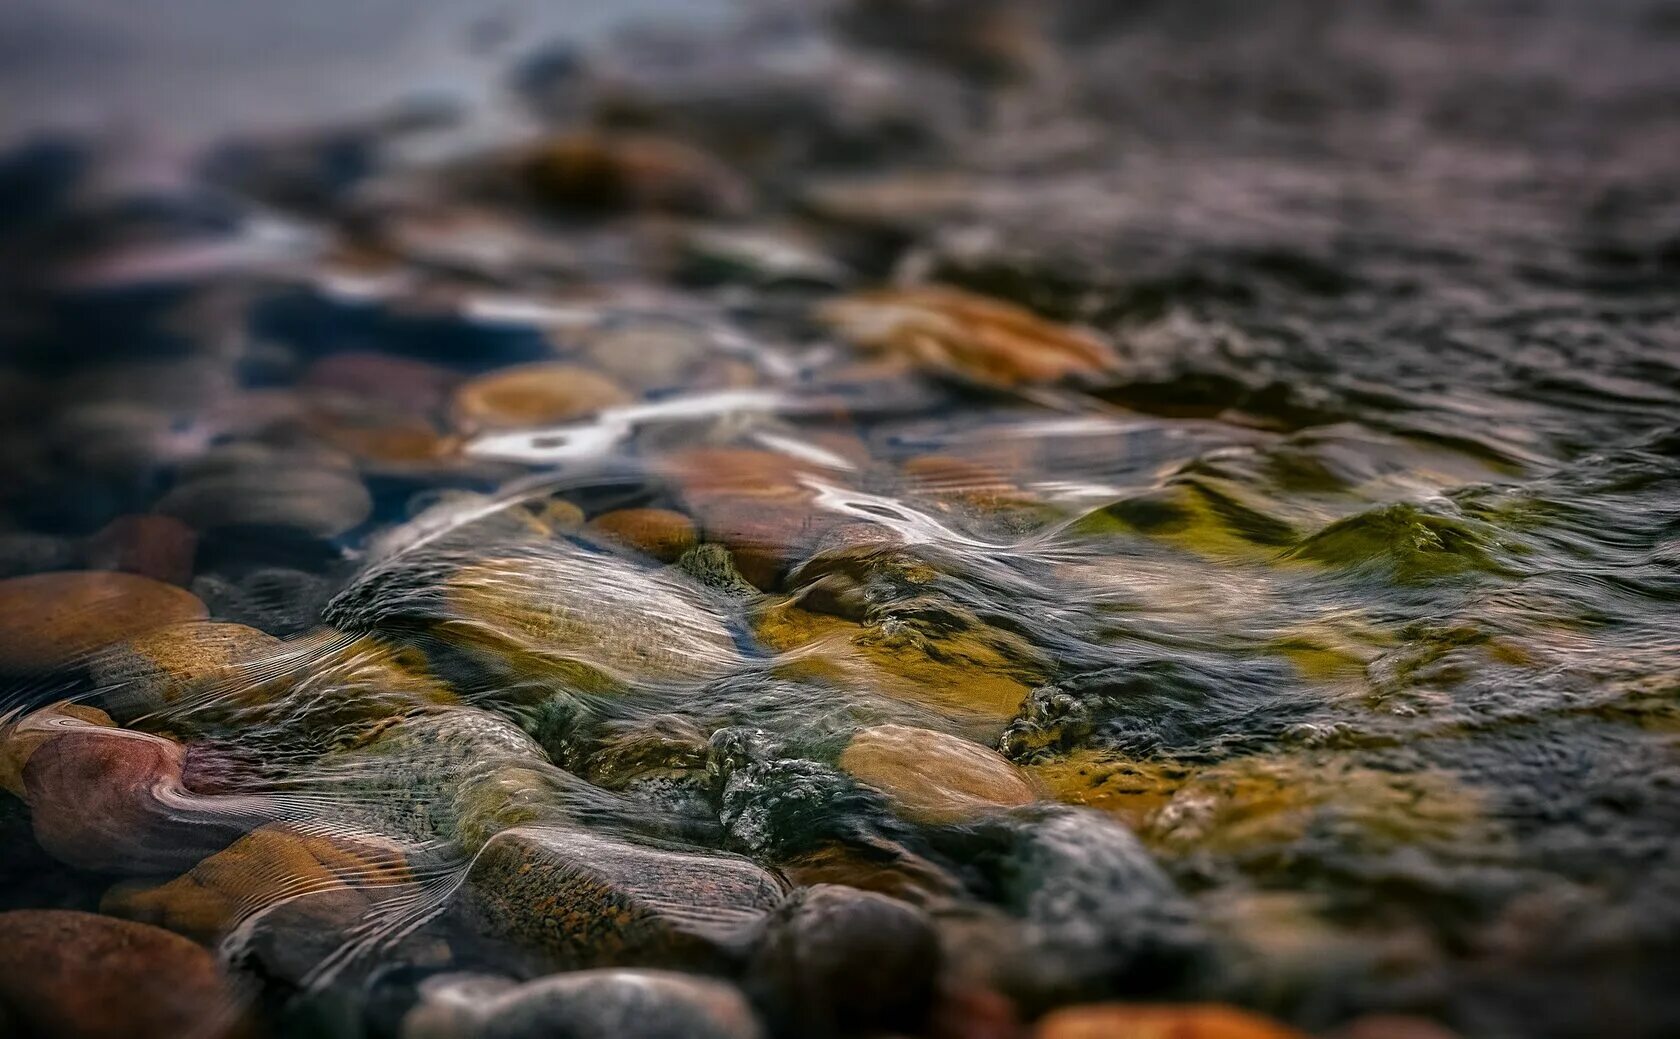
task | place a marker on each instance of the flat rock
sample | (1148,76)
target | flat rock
(539,394)
(50,621)
(578,899)
(590,1004)
(932,777)
(74,975)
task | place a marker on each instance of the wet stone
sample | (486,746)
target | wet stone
(80,976)
(1147,1021)
(835,960)
(270,489)
(952,332)
(589,1004)
(278,600)
(661,533)
(932,777)
(540,394)
(56,620)
(575,899)
(159,547)
(607,173)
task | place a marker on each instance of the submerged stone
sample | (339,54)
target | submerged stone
(587,1004)
(1159,1021)
(661,533)
(957,333)
(540,394)
(576,899)
(932,777)
(56,620)
(835,960)
(79,976)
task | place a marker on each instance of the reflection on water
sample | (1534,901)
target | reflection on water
(859,529)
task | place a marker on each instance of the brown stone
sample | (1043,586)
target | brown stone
(595,172)
(932,777)
(77,975)
(272,863)
(661,533)
(107,799)
(974,675)
(576,899)
(56,620)
(159,669)
(1160,1021)
(538,394)
(974,337)
(159,547)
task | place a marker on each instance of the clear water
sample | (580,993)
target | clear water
(1326,608)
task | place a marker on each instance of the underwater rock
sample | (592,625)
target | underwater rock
(978,674)
(155,671)
(661,533)
(270,489)
(877,866)
(540,394)
(75,975)
(951,332)
(55,620)
(608,173)
(588,1004)
(836,960)
(932,777)
(578,899)
(1160,1021)
(103,798)
(1093,907)
(400,382)
(278,600)
(273,863)
(159,547)
(593,619)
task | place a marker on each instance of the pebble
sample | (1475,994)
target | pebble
(400,382)
(159,547)
(55,620)
(1160,1021)
(578,899)
(932,777)
(540,394)
(108,799)
(597,619)
(972,337)
(661,533)
(180,664)
(336,876)
(272,490)
(838,960)
(604,173)
(590,1004)
(278,600)
(73,975)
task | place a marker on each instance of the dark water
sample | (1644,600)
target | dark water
(1182,501)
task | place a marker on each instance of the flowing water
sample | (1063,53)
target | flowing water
(1185,497)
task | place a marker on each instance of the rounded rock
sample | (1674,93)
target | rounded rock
(661,533)
(82,976)
(933,777)
(55,620)
(1160,1021)
(591,1004)
(538,394)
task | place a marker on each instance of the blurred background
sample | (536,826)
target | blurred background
(190,69)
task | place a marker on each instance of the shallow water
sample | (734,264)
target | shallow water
(1251,576)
